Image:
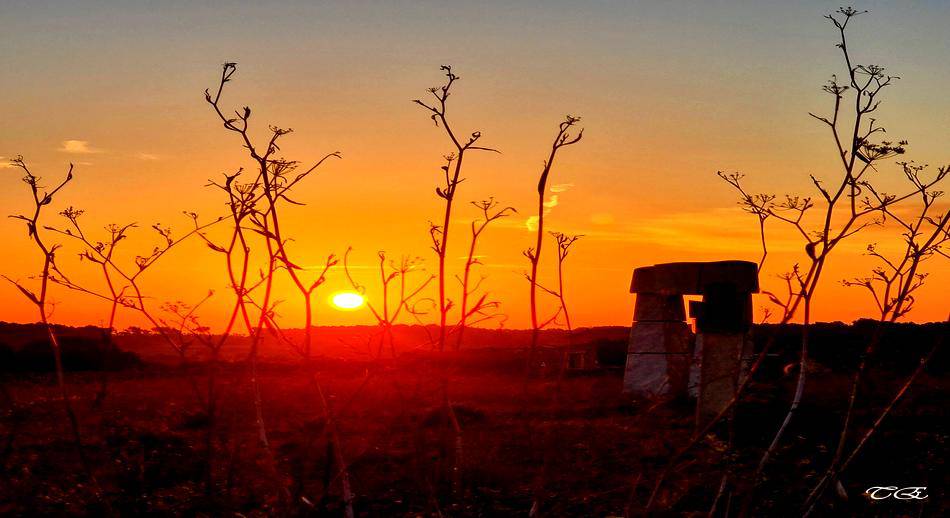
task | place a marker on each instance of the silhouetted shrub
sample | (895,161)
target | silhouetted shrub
(79,354)
(6,356)
(611,353)
(839,346)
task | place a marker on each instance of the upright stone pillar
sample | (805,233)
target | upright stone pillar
(722,342)
(658,355)
(718,372)
(697,374)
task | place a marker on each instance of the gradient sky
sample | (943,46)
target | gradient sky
(669,94)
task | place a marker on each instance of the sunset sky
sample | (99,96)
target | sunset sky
(669,94)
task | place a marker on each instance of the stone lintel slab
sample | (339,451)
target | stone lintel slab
(691,278)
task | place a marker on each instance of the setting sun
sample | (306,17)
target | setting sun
(347,300)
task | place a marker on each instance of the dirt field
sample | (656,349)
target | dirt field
(578,446)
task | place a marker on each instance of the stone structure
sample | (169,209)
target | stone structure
(664,358)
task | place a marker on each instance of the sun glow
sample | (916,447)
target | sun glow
(347,300)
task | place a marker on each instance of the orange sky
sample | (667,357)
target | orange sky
(668,96)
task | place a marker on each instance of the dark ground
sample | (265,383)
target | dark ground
(581,445)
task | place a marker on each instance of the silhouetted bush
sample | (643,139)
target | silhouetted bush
(611,353)
(79,354)
(839,346)
(6,356)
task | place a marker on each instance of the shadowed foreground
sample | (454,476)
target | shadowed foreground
(579,442)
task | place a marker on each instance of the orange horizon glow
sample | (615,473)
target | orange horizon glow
(666,99)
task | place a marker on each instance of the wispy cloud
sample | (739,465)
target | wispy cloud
(79,147)
(561,187)
(532,222)
(722,229)
(146,156)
